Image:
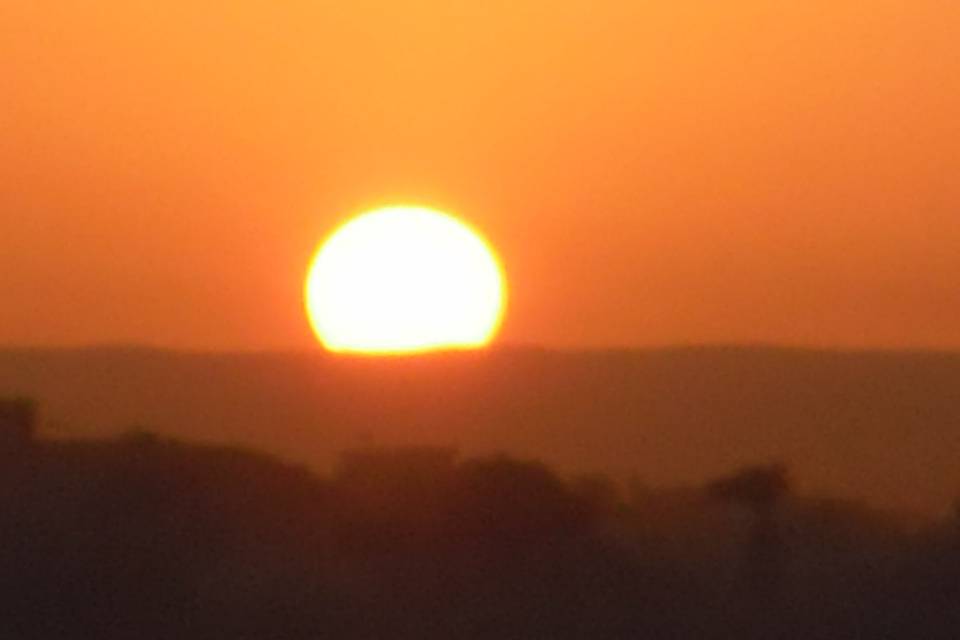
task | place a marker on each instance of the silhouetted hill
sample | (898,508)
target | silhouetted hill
(882,426)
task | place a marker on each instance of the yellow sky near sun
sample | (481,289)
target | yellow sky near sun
(650,172)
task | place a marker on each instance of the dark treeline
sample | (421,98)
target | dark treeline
(141,537)
(874,426)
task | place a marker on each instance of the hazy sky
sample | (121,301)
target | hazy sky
(652,171)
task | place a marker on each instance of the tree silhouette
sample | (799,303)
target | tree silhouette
(18,423)
(956,524)
(760,489)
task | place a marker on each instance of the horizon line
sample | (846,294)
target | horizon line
(121,346)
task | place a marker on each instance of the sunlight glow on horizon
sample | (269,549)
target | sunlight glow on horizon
(405,280)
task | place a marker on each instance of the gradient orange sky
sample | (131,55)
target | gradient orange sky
(651,171)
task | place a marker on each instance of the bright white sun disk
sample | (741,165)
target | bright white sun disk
(405,279)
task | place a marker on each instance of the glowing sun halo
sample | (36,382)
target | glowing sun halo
(405,280)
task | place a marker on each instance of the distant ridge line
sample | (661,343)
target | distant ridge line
(706,347)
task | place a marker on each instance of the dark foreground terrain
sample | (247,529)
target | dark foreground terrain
(877,426)
(139,537)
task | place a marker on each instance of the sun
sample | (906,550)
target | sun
(402,280)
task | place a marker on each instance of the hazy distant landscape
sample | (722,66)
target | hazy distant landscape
(883,427)
(140,536)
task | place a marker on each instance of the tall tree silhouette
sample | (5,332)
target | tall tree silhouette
(760,489)
(18,423)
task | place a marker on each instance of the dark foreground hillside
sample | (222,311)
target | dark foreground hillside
(882,427)
(145,538)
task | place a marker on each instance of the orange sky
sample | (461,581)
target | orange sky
(651,171)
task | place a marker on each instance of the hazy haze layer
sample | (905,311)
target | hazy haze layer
(875,426)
